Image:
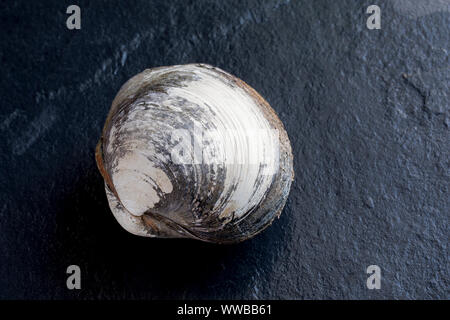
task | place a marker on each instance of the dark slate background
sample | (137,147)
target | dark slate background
(367,112)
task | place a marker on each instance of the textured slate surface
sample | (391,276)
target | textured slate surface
(367,112)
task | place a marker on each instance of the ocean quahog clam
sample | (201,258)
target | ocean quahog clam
(190,151)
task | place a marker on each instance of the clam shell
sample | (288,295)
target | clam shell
(191,151)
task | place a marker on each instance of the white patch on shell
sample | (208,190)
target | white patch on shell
(129,222)
(136,181)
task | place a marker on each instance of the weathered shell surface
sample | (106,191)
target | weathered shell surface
(192,151)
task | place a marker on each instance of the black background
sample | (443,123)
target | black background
(367,112)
